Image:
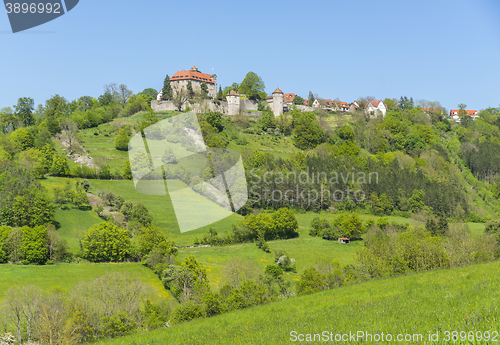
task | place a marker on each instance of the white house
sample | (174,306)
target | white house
(471,113)
(373,107)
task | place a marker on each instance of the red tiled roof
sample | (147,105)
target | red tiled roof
(232,93)
(341,104)
(278,90)
(374,103)
(306,102)
(288,97)
(192,74)
(468,112)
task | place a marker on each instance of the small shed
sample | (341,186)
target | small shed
(344,240)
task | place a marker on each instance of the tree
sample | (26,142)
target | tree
(127,171)
(56,107)
(307,132)
(112,90)
(124,93)
(136,211)
(59,166)
(298,100)
(34,245)
(204,90)
(285,224)
(150,237)
(121,140)
(267,119)
(390,103)
(43,137)
(346,133)
(405,103)
(24,111)
(417,200)
(253,86)
(148,94)
(23,138)
(220,94)
(70,131)
(180,98)
(310,282)
(8,120)
(182,279)
(4,235)
(214,119)
(60,196)
(105,99)
(311,98)
(189,89)
(168,157)
(106,242)
(493,227)
(166,91)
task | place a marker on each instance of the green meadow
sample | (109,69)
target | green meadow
(65,276)
(306,251)
(461,299)
(159,206)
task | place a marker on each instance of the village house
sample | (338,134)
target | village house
(454,114)
(374,107)
(288,101)
(341,106)
(328,104)
(353,107)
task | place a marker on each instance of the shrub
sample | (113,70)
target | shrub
(117,325)
(188,311)
(106,242)
(121,140)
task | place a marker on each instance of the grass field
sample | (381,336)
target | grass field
(460,299)
(159,206)
(67,275)
(102,149)
(306,251)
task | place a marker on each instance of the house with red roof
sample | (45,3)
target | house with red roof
(374,107)
(341,106)
(181,79)
(288,98)
(328,104)
(456,113)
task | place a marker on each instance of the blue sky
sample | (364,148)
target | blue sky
(441,50)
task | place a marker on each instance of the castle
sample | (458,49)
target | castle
(181,79)
(233,105)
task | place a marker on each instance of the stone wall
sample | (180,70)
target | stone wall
(304,108)
(197,107)
(246,107)
(246,104)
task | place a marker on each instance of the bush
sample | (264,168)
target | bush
(284,261)
(121,140)
(188,311)
(106,242)
(117,325)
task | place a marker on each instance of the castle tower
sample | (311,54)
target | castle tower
(277,102)
(233,103)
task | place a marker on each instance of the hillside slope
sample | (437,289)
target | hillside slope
(461,299)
